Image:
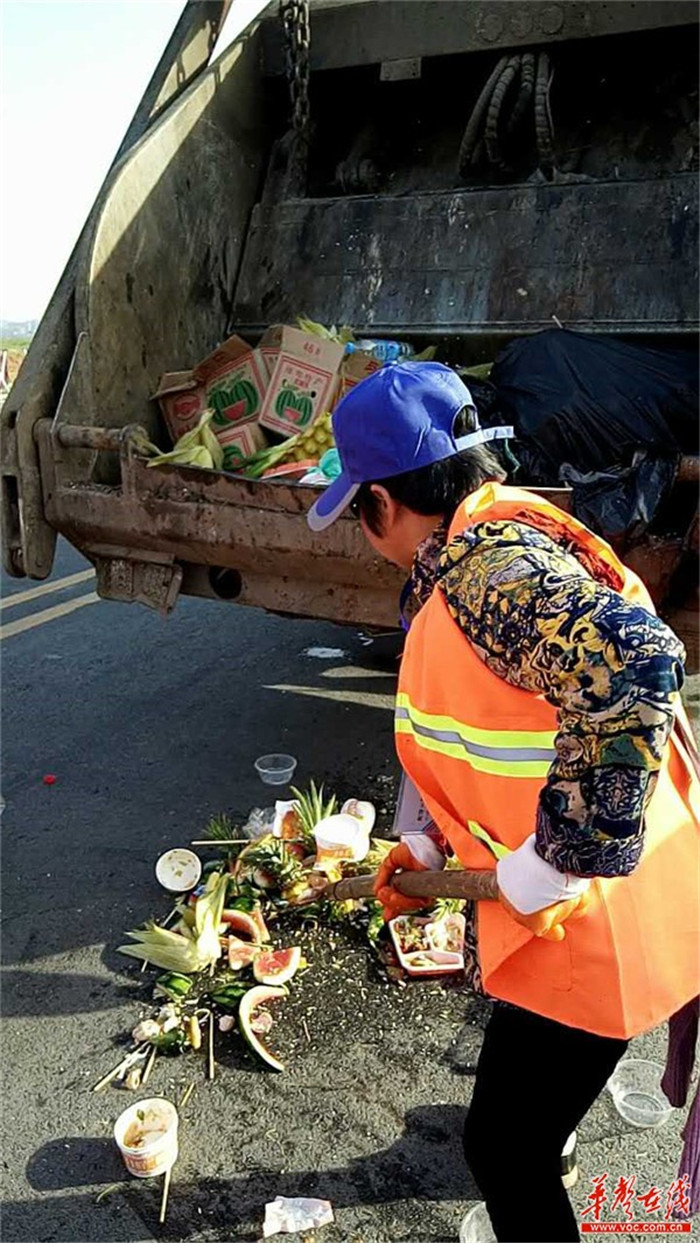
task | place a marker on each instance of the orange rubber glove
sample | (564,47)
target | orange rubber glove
(549,922)
(395,903)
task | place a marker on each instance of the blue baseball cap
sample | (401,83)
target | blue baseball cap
(398,419)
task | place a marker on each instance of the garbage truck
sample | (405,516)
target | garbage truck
(452,173)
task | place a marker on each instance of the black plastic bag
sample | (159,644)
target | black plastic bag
(593,402)
(620,503)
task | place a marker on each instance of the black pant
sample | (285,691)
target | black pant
(535,1080)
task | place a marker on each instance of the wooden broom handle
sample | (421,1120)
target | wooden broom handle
(450,883)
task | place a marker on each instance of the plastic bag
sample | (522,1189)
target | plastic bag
(620,503)
(593,402)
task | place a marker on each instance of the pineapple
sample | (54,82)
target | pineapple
(311,808)
(311,443)
(267,863)
(314,440)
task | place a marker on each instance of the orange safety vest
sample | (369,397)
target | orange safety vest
(479,750)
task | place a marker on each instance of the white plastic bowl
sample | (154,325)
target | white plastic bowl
(178,870)
(275,770)
(635,1087)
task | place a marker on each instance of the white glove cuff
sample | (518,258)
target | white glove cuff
(424,850)
(530,883)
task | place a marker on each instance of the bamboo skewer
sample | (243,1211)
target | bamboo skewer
(169,1172)
(164,1197)
(130,1060)
(211,1063)
(149,1066)
(186,1095)
(239,841)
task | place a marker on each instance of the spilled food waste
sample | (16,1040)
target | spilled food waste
(219,973)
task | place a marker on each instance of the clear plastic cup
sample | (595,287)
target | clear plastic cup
(275,769)
(635,1087)
(476,1225)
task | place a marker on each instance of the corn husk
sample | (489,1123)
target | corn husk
(340,336)
(311,443)
(192,950)
(198,447)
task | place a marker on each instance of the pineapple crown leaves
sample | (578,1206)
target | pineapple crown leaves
(271,855)
(220,827)
(311,807)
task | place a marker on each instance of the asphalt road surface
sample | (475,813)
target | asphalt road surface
(148,728)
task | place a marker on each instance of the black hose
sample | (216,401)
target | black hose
(544,130)
(508,76)
(527,86)
(471,133)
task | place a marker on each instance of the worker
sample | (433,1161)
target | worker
(538,714)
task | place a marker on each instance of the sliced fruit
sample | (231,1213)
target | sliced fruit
(241,953)
(250,1016)
(262,1022)
(257,915)
(172,985)
(277,966)
(228,996)
(292,826)
(243,924)
(297,850)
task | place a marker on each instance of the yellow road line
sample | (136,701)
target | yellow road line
(47,615)
(60,584)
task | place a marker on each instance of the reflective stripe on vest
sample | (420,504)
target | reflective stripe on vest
(498,850)
(503,752)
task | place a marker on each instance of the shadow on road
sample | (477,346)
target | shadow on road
(425,1164)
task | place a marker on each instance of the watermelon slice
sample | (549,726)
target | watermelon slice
(250,1016)
(243,924)
(277,966)
(257,916)
(241,953)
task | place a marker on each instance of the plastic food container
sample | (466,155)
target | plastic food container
(155,1118)
(178,870)
(362,811)
(476,1225)
(431,955)
(341,837)
(636,1090)
(275,770)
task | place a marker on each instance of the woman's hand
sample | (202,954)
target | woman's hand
(538,896)
(549,922)
(399,859)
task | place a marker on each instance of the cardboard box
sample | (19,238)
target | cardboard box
(235,383)
(240,443)
(268,350)
(231,381)
(304,381)
(356,367)
(182,401)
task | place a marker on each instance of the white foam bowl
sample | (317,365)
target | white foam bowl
(342,837)
(178,870)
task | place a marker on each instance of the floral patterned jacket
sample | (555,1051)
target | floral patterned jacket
(544,617)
